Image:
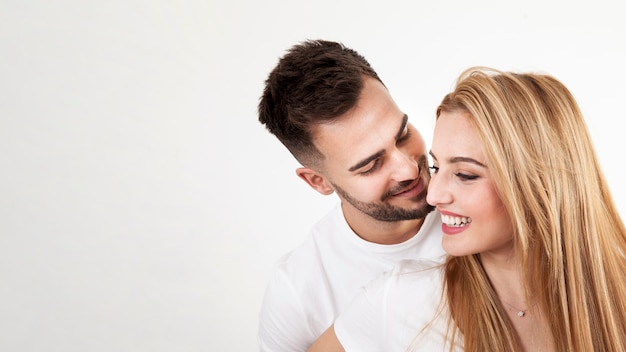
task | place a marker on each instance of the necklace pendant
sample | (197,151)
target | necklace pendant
(521,314)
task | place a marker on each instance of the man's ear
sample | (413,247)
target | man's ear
(315,180)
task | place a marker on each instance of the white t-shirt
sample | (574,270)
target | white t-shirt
(313,283)
(400,311)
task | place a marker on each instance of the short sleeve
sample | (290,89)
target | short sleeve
(282,320)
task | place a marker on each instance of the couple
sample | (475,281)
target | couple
(536,248)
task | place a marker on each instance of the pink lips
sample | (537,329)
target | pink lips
(450,230)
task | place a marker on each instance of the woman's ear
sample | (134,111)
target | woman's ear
(315,180)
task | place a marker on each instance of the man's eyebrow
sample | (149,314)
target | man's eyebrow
(367,160)
(405,120)
(378,154)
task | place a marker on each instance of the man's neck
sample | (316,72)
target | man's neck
(381,232)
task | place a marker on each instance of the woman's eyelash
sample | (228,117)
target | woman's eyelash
(466,176)
(434,169)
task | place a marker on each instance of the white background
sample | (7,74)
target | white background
(142,205)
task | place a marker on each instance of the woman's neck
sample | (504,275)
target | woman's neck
(505,275)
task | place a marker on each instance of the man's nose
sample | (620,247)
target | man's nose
(405,167)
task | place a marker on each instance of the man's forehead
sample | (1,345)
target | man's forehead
(351,143)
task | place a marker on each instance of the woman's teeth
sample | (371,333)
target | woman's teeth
(455,221)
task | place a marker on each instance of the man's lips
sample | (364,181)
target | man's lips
(413,189)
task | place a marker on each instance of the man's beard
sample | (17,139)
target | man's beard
(387,212)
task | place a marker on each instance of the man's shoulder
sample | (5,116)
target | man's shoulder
(331,222)
(307,255)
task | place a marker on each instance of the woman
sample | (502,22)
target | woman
(536,245)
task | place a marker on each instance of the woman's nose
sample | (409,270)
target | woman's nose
(438,191)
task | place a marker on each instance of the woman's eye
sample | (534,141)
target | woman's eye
(433,169)
(466,177)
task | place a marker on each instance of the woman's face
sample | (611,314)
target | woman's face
(462,189)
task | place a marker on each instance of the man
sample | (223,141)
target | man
(330,109)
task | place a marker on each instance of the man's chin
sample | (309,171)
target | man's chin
(392,214)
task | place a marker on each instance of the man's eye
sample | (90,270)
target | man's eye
(405,136)
(374,167)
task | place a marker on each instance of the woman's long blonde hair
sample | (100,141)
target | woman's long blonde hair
(568,234)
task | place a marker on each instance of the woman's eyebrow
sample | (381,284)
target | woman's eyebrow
(460,159)
(464,159)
